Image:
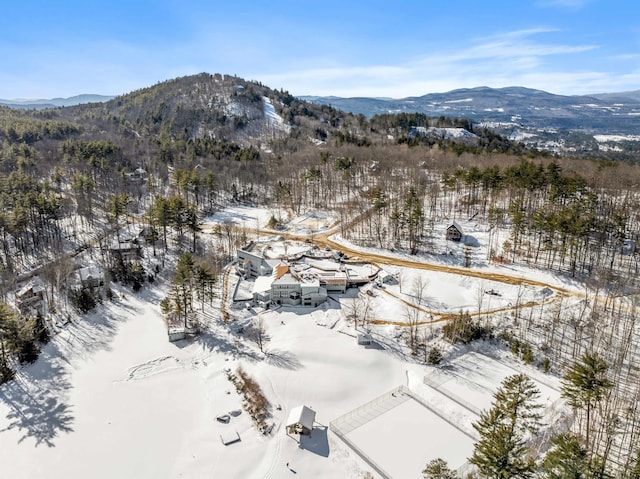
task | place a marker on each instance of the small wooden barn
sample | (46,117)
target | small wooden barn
(301,421)
(454,232)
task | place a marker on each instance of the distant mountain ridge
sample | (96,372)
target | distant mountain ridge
(41,104)
(225,106)
(535,117)
(525,107)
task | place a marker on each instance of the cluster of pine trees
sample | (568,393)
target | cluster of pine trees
(510,444)
(66,186)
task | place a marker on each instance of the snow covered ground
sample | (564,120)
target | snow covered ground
(111,397)
(274,120)
(113,382)
(257,218)
(405,438)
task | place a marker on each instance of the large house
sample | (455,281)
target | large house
(251,265)
(303,283)
(126,244)
(90,277)
(287,286)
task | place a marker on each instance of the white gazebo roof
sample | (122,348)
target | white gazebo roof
(302,415)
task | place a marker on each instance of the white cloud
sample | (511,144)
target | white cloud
(511,58)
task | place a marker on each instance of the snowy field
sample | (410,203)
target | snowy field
(447,293)
(257,218)
(472,379)
(406,437)
(394,431)
(113,382)
(111,397)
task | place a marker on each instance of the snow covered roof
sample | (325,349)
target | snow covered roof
(302,415)
(456,226)
(89,273)
(262,284)
(273,262)
(34,285)
(382,274)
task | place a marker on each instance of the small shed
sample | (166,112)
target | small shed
(385,277)
(454,232)
(301,421)
(364,340)
(176,334)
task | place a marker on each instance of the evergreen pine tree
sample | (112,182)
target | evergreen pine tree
(502,450)
(438,469)
(567,458)
(585,384)
(9,333)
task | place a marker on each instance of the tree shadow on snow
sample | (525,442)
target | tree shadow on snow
(471,241)
(36,399)
(374,345)
(282,359)
(393,347)
(226,344)
(318,443)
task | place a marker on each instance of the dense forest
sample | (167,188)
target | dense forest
(162,158)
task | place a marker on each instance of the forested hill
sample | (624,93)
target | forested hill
(189,107)
(216,139)
(198,117)
(125,185)
(202,117)
(577,123)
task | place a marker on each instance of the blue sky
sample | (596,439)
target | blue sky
(59,48)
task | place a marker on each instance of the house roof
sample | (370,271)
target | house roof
(262,284)
(272,262)
(456,226)
(34,285)
(89,273)
(280,270)
(302,415)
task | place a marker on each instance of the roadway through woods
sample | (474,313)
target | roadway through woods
(323,240)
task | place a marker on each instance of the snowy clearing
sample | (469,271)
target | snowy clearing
(112,382)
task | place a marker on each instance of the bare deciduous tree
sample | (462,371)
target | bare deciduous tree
(257,332)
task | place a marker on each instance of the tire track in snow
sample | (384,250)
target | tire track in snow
(276,431)
(161,365)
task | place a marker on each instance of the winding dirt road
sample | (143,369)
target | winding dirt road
(324,240)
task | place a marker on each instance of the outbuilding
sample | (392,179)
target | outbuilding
(301,421)
(454,232)
(176,334)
